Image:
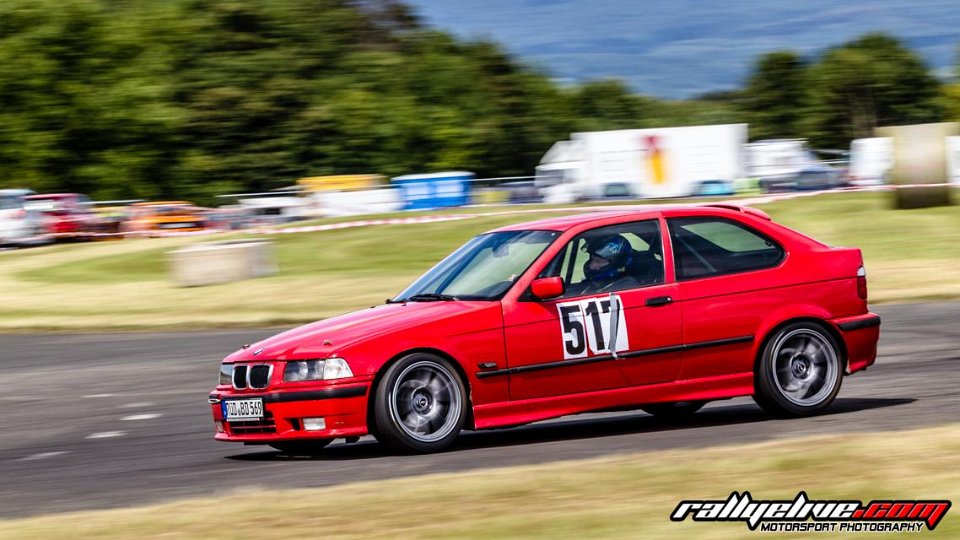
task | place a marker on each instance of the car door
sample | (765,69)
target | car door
(725,271)
(563,345)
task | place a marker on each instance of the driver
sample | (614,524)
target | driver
(609,258)
(615,265)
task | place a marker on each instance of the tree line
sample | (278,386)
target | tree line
(193,98)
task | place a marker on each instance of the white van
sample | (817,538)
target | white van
(20,226)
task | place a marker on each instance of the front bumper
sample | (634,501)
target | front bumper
(344,408)
(860,335)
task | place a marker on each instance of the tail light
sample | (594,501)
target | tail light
(20,214)
(862,282)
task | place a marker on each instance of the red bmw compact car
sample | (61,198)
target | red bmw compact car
(661,309)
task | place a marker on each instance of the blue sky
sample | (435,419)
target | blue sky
(681,48)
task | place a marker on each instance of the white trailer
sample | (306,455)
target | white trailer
(871,158)
(647,163)
(953,159)
(774,159)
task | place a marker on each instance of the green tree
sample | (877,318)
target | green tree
(869,82)
(83,106)
(775,97)
(194,98)
(950,101)
(608,104)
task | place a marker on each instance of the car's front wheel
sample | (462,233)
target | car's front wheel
(799,371)
(420,404)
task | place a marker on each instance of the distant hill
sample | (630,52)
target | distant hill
(683,48)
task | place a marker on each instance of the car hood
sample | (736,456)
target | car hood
(324,338)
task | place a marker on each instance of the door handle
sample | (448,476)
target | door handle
(659,301)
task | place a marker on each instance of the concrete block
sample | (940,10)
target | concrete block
(210,263)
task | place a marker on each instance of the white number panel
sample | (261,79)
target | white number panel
(585,327)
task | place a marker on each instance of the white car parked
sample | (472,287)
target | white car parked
(20,226)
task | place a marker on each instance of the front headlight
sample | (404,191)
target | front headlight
(316,370)
(226,373)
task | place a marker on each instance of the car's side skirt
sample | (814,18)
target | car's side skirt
(511,413)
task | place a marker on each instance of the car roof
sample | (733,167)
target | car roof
(563,223)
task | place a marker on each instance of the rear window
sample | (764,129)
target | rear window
(711,246)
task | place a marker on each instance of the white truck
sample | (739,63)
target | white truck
(643,163)
(871,158)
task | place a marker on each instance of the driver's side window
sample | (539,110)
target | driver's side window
(612,258)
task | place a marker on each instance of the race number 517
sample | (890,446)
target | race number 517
(585,327)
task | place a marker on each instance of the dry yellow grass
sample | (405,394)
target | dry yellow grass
(629,496)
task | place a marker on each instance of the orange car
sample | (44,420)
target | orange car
(166,216)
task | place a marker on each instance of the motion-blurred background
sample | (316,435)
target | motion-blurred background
(190,99)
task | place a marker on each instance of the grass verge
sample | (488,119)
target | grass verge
(911,255)
(628,496)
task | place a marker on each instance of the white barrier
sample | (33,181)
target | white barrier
(210,263)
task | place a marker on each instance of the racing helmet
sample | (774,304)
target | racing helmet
(615,252)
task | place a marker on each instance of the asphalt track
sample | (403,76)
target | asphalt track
(113,420)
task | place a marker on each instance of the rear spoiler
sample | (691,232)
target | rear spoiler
(744,209)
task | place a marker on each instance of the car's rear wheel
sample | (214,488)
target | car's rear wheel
(674,410)
(302,448)
(420,404)
(800,371)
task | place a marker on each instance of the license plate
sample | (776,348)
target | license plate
(243,409)
(176,226)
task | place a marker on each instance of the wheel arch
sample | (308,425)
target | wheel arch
(378,377)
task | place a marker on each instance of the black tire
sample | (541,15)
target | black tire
(420,404)
(302,448)
(674,410)
(799,371)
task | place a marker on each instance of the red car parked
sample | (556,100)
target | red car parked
(68,214)
(662,309)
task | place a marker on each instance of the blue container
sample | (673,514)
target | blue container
(436,190)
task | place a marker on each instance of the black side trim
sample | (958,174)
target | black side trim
(869,322)
(607,357)
(312,395)
(717,342)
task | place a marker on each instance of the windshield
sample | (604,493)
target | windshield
(484,268)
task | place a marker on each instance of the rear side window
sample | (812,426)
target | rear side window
(712,246)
